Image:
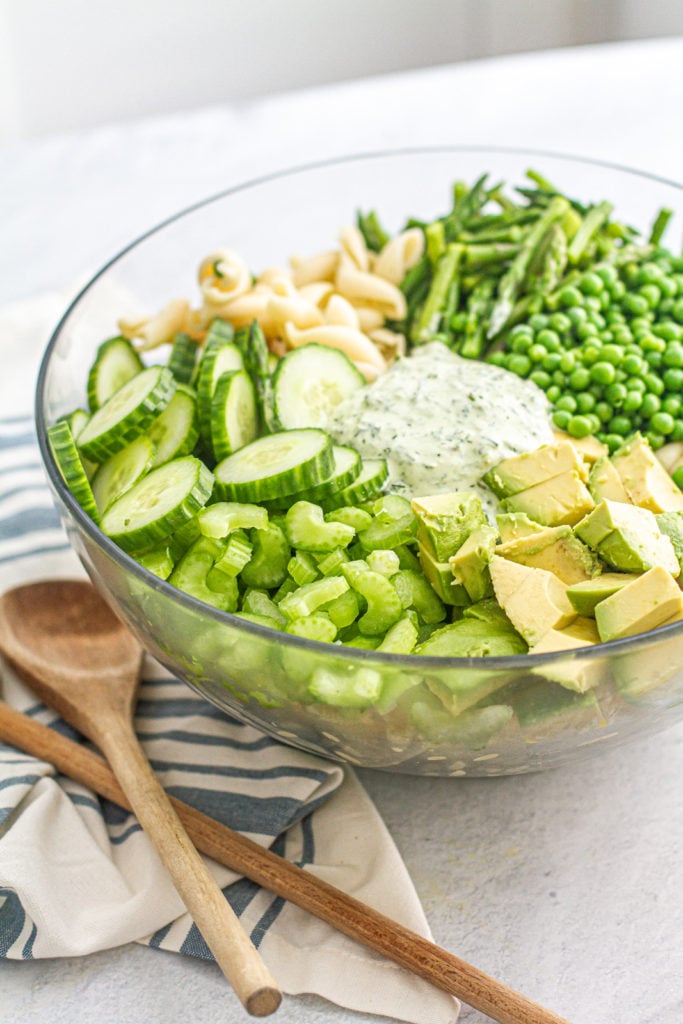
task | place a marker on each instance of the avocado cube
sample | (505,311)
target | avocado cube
(563,499)
(604,482)
(470,564)
(534,600)
(445,521)
(627,537)
(588,448)
(513,525)
(585,594)
(546,709)
(440,576)
(645,480)
(575,674)
(671,524)
(647,602)
(556,549)
(520,472)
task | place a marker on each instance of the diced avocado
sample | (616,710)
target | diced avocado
(534,600)
(440,576)
(562,499)
(520,472)
(556,549)
(604,482)
(647,602)
(587,593)
(546,709)
(575,674)
(472,638)
(489,611)
(645,480)
(671,524)
(513,525)
(470,564)
(671,456)
(472,729)
(445,521)
(588,448)
(627,537)
(652,674)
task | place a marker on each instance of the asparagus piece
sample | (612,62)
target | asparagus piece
(441,299)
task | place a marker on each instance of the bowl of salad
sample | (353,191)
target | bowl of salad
(383,455)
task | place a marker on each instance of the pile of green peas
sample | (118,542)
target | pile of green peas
(607,349)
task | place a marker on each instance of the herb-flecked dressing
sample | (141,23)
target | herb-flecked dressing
(442,421)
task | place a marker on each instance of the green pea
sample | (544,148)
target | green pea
(567,362)
(677,432)
(591,284)
(496,358)
(577,315)
(590,354)
(586,330)
(551,361)
(673,355)
(633,364)
(579,378)
(656,440)
(662,423)
(651,404)
(537,321)
(672,404)
(613,441)
(617,290)
(667,286)
(553,393)
(567,403)
(621,334)
(541,379)
(653,359)
(620,425)
(570,297)
(677,311)
(561,419)
(651,343)
(519,364)
(648,273)
(640,324)
(607,273)
(651,294)
(585,402)
(559,378)
(635,384)
(673,378)
(579,426)
(603,410)
(521,343)
(602,372)
(670,331)
(677,477)
(560,322)
(537,352)
(597,319)
(655,384)
(615,395)
(632,401)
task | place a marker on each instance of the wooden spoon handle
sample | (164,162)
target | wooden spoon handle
(280,876)
(234,952)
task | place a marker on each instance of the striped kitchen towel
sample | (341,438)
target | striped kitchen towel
(78,875)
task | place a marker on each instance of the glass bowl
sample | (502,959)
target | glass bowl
(506,715)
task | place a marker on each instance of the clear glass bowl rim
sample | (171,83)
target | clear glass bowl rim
(352,654)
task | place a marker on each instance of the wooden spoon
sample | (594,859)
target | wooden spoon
(83,662)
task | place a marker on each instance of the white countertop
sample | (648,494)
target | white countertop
(565,885)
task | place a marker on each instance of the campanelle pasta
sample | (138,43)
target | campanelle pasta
(341,298)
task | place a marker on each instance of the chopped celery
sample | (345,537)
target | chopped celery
(302,568)
(313,627)
(268,564)
(306,528)
(346,688)
(384,606)
(226,516)
(305,600)
(384,561)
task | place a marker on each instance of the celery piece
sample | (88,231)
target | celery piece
(238,551)
(329,564)
(344,609)
(226,516)
(158,561)
(260,620)
(306,529)
(346,688)
(302,568)
(267,566)
(415,592)
(399,638)
(384,561)
(192,571)
(358,518)
(313,627)
(306,599)
(259,603)
(384,606)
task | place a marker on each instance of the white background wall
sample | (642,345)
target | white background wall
(67,64)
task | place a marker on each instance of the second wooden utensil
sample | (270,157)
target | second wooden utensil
(82,661)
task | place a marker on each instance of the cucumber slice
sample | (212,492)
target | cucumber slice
(347,466)
(71,467)
(175,431)
(308,385)
(367,484)
(158,504)
(77,420)
(118,474)
(182,361)
(220,332)
(276,464)
(127,414)
(234,415)
(116,363)
(216,360)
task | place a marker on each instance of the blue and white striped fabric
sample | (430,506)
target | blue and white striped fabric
(78,875)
